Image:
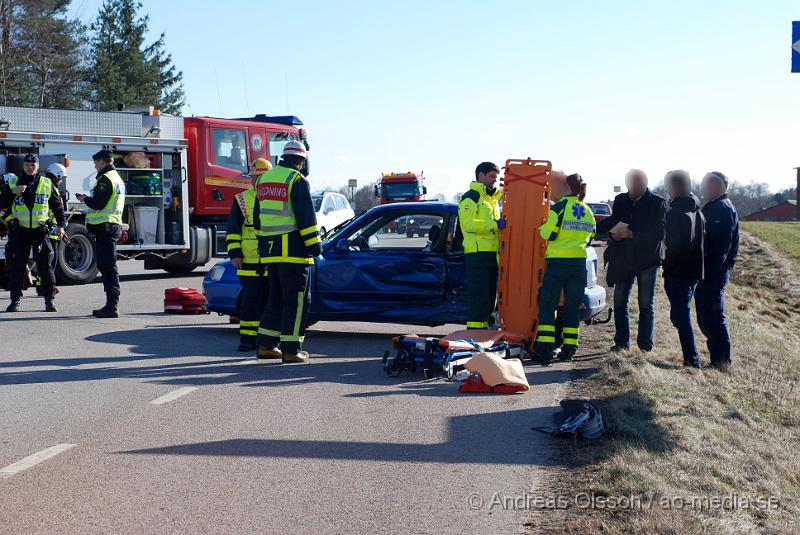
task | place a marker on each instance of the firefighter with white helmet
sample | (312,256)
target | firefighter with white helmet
(243,252)
(288,239)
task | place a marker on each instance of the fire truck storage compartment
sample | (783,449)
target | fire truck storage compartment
(153,197)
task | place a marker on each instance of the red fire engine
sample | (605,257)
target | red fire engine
(181,175)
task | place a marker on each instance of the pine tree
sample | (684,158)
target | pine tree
(42,55)
(126,71)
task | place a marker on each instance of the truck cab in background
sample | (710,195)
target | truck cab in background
(400,187)
(181,176)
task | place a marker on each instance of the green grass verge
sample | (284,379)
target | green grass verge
(784,236)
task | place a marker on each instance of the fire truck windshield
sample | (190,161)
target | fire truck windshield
(276,143)
(401,190)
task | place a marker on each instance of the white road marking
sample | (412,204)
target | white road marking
(32,460)
(175,394)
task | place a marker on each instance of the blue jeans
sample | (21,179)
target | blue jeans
(680,293)
(710,303)
(646,281)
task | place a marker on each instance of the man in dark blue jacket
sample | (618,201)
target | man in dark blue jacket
(721,249)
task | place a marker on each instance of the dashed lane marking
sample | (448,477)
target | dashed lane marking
(32,460)
(172,396)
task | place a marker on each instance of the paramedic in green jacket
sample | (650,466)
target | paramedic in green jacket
(478,215)
(569,228)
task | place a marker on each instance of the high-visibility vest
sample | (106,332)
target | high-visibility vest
(478,212)
(273,189)
(40,214)
(569,227)
(246,200)
(112,212)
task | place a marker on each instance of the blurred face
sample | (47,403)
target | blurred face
(488,179)
(558,185)
(636,182)
(99,164)
(30,168)
(713,187)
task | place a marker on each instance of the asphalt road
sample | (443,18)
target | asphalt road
(333,446)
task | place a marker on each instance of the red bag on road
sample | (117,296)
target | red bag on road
(184,301)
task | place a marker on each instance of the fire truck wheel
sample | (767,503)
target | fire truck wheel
(76,259)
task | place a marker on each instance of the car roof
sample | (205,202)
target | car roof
(419,205)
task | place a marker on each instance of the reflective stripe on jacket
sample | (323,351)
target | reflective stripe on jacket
(243,236)
(569,228)
(478,212)
(287,225)
(112,211)
(39,215)
(274,189)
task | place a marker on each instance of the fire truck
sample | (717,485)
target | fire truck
(181,175)
(400,187)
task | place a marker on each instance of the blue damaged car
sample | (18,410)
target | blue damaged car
(373,270)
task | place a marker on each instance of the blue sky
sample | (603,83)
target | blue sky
(595,87)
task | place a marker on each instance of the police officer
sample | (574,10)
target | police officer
(243,252)
(288,240)
(104,221)
(478,215)
(569,228)
(57,173)
(32,197)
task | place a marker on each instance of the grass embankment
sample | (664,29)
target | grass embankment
(676,434)
(783,236)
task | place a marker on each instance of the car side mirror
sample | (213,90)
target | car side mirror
(341,246)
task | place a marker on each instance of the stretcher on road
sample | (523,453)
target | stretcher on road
(447,355)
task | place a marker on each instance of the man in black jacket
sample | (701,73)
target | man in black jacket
(635,251)
(721,249)
(683,258)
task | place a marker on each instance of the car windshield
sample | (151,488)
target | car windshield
(599,208)
(332,232)
(400,190)
(317,202)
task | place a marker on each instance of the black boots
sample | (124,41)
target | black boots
(48,306)
(108,311)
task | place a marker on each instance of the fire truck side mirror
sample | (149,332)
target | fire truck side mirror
(424,190)
(377,191)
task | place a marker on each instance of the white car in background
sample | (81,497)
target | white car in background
(332,210)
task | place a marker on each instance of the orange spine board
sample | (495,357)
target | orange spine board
(526,203)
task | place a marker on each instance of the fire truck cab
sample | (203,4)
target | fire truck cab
(181,176)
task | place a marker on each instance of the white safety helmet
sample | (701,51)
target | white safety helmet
(295,148)
(57,170)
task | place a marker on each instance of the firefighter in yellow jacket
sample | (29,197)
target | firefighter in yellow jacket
(243,252)
(288,241)
(569,228)
(478,215)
